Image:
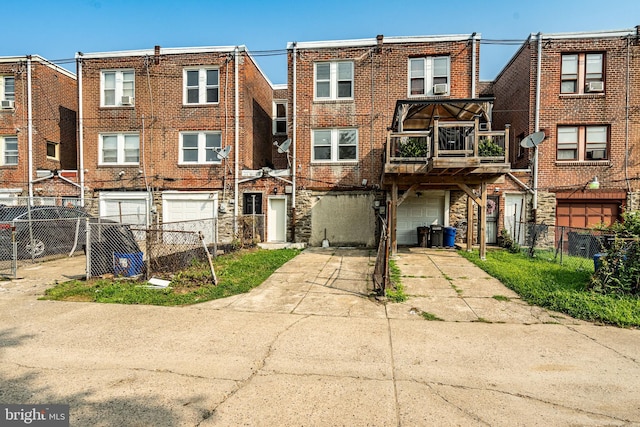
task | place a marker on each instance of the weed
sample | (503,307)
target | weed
(430,316)
(501,298)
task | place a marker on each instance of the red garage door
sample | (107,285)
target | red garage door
(587,213)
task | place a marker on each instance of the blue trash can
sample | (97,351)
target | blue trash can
(128,264)
(449,237)
(597,260)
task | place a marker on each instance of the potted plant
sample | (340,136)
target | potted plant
(488,148)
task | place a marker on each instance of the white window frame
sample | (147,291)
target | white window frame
(427,73)
(202,86)
(279,119)
(4,152)
(586,139)
(333,81)
(4,95)
(56,155)
(334,145)
(120,149)
(201,148)
(120,88)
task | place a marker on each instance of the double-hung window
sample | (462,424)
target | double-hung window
(333,80)
(335,145)
(201,85)
(119,149)
(118,88)
(582,73)
(7,88)
(429,76)
(279,116)
(582,143)
(8,150)
(199,147)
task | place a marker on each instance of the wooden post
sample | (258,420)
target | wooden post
(436,137)
(470,217)
(393,217)
(483,221)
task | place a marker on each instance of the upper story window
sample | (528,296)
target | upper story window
(8,150)
(53,150)
(201,86)
(334,145)
(119,149)
(582,73)
(7,92)
(583,143)
(429,76)
(333,80)
(118,88)
(279,116)
(200,147)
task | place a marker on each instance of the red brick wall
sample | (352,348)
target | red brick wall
(380,79)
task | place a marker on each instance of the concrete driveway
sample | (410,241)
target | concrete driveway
(309,347)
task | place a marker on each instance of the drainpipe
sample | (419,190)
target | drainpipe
(236,141)
(30,129)
(626,118)
(537,128)
(474,48)
(294,139)
(80,129)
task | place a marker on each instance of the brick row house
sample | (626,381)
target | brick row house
(582,90)
(174,134)
(38,104)
(393,119)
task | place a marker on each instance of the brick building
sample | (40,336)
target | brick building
(38,157)
(168,133)
(582,90)
(343,98)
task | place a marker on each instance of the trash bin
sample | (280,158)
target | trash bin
(449,237)
(423,237)
(127,264)
(597,260)
(101,258)
(436,236)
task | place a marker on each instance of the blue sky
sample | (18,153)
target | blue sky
(57,29)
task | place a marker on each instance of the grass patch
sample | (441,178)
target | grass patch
(501,298)
(559,288)
(430,316)
(396,292)
(237,273)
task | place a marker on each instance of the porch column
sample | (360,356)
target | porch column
(470,216)
(393,219)
(483,221)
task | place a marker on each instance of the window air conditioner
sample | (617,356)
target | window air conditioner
(440,88)
(127,100)
(596,154)
(595,86)
(7,104)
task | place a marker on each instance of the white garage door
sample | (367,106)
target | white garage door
(414,212)
(125,207)
(189,211)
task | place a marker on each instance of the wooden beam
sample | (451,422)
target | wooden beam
(483,221)
(464,187)
(470,216)
(406,194)
(393,218)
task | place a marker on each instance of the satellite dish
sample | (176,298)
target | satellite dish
(224,153)
(532,140)
(284,147)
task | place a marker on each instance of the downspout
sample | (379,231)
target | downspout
(626,120)
(474,48)
(537,128)
(80,130)
(30,129)
(236,141)
(294,139)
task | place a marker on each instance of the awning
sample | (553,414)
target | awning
(417,115)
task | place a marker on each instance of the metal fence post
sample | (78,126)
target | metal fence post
(561,243)
(14,250)
(88,248)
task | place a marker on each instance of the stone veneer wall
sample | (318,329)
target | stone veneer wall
(633,201)
(458,216)
(546,215)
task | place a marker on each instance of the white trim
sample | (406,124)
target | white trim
(40,60)
(386,40)
(335,139)
(202,84)
(120,155)
(585,35)
(201,148)
(163,51)
(333,81)
(114,196)
(118,86)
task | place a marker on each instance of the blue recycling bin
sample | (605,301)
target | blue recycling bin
(128,264)
(449,237)
(597,260)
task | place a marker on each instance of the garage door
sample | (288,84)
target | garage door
(189,211)
(416,212)
(586,213)
(126,207)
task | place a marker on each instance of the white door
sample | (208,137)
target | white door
(277,220)
(414,212)
(189,211)
(513,216)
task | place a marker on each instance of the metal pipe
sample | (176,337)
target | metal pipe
(294,124)
(473,64)
(30,130)
(236,141)
(537,126)
(80,130)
